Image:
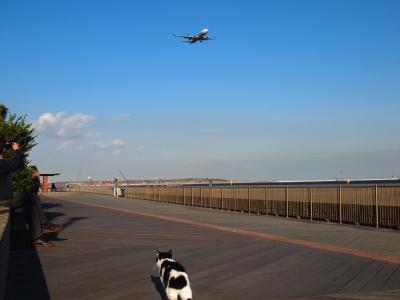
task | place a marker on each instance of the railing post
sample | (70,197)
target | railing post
(265,201)
(159,193)
(184,200)
(287,202)
(222,198)
(376,207)
(311,204)
(248,197)
(234,200)
(191,192)
(209,197)
(201,197)
(340,205)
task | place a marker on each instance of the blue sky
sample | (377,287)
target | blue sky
(289,89)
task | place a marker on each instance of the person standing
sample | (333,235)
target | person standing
(7,167)
(116,188)
(46,225)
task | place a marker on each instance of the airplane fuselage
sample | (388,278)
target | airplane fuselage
(202,33)
(200,36)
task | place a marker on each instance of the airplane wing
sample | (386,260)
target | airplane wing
(184,36)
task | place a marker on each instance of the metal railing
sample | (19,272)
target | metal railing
(377,206)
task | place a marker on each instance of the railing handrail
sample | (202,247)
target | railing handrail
(371,205)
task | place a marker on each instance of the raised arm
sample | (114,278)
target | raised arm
(10,166)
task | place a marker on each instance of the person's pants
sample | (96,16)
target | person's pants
(31,210)
(42,216)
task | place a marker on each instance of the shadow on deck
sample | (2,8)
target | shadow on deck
(25,274)
(26,278)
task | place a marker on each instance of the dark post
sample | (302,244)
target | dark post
(201,197)
(209,198)
(234,199)
(265,200)
(248,197)
(340,205)
(222,198)
(376,207)
(311,204)
(287,202)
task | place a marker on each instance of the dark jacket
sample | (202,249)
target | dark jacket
(6,168)
(36,184)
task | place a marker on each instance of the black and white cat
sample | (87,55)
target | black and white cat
(173,276)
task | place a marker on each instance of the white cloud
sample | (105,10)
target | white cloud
(58,125)
(70,128)
(115,144)
(121,117)
(92,134)
(118,143)
(65,145)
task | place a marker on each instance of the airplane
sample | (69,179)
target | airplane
(201,36)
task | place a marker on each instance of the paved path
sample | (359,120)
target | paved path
(107,252)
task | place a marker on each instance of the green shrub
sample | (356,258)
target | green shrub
(15,129)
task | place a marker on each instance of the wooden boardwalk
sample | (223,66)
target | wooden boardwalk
(107,251)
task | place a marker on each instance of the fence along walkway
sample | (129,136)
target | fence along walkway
(377,206)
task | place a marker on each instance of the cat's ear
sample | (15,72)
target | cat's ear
(157,251)
(170,251)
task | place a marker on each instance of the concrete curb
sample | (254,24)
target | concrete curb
(4,249)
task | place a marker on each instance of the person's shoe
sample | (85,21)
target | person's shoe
(42,243)
(50,230)
(54,225)
(51,227)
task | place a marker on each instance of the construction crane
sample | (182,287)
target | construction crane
(123,176)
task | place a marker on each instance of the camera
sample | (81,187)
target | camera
(8,146)
(5,146)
